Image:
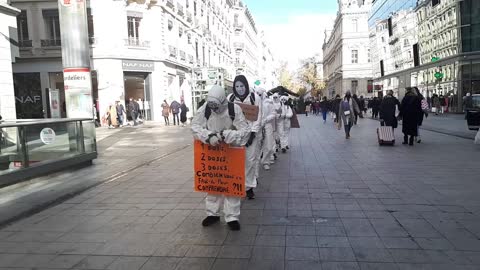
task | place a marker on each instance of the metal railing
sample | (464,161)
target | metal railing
(133,42)
(25,43)
(51,42)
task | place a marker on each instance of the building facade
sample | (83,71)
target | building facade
(247,50)
(8,53)
(150,51)
(433,45)
(346,56)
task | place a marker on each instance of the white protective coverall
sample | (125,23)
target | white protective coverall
(268,120)
(286,122)
(252,156)
(235,132)
(278,106)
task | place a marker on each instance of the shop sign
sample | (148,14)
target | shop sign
(135,65)
(78,92)
(29,99)
(47,135)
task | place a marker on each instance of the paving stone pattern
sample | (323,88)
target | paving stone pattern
(329,203)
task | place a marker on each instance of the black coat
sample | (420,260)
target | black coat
(410,111)
(388,109)
(183,114)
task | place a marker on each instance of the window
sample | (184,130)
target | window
(133,27)
(354,86)
(195,8)
(383,39)
(52,25)
(406,43)
(369,56)
(354,56)
(22,26)
(355,25)
(435,2)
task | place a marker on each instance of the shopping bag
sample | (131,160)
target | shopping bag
(434,109)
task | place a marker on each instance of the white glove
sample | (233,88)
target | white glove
(214,140)
(229,136)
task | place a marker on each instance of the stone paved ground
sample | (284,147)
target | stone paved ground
(328,204)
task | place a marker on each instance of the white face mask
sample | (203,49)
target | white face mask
(240,88)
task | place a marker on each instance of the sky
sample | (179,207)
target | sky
(294,29)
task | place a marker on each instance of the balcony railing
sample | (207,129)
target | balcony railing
(190,59)
(237,25)
(180,9)
(170,4)
(172,51)
(133,42)
(25,43)
(238,45)
(51,43)
(183,56)
(189,16)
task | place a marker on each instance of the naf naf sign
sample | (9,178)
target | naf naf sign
(28,99)
(136,65)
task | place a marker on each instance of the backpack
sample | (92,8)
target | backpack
(231,111)
(252,98)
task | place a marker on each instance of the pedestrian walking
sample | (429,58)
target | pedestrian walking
(443,104)
(286,117)
(278,133)
(361,105)
(268,122)
(375,107)
(111,116)
(388,109)
(336,107)
(243,94)
(436,104)
(120,113)
(133,109)
(324,109)
(175,110)
(166,112)
(213,124)
(347,109)
(424,104)
(183,114)
(357,114)
(410,112)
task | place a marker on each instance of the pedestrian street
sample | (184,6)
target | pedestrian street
(328,203)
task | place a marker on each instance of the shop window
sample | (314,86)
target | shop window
(354,86)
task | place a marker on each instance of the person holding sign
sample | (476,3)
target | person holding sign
(286,115)
(219,121)
(268,120)
(243,95)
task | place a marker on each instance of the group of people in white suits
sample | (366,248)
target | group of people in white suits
(221,119)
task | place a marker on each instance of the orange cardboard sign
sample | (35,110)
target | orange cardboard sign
(219,169)
(250,111)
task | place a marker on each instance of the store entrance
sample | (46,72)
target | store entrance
(137,87)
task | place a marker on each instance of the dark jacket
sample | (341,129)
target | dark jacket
(388,109)
(410,111)
(183,113)
(175,107)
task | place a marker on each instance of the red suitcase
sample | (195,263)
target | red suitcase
(385,135)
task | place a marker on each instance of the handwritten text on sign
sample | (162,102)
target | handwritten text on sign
(219,169)
(250,111)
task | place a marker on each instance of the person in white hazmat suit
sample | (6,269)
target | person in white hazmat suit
(287,116)
(268,120)
(278,107)
(216,121)
(242,94)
